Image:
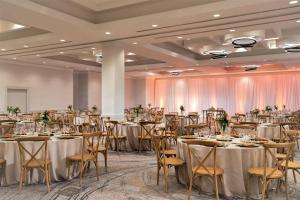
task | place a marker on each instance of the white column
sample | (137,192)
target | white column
(113,82)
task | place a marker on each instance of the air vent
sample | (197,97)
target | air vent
(243,42)
(250,67)
(293,49)
(217,54)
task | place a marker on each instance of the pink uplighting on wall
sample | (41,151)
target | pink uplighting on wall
(232,93)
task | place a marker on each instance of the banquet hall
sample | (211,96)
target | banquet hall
(149,99)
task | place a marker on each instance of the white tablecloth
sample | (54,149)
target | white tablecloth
(233,159)
(268,131)
(59,150)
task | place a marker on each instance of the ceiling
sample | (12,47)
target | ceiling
(160,37)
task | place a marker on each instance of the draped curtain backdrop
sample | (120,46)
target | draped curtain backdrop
(232,93)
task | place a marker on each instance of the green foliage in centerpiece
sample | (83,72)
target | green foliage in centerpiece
(275,107)
(94,109)
(45,118)
(223,121)
(181,108)
(138,110)
(13,110)
(70,107)
(268,109)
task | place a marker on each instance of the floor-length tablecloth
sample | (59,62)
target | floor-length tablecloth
(233,159)
(59,150)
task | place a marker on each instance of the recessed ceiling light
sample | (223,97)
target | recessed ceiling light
(188,38)
(25,46)
(190,69)
(3,49)
(37,55)
(293,2)
(298,21)
(274,38)
(150,73)
(62,40)
(231,30)
(15,58)
(216,15)
(134,43)
(154,25)
(93,48)
(129,60)
(179,37)
(61,52)
(131,54)
(107,33)
(190,48)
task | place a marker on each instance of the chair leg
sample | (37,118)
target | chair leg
(47,177)
(105,160)
(216,187)
(295,179)
(96,165)
(176,173)
(81,173)
(286,186)
(190,187)
(263,189)
(21,179)
(166,178)
(222,184)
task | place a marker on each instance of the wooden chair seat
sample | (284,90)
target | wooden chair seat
(280,156)
(169,152)
(35,163)
(86,157)
(172,161)
(292,165)
(2,161)
(101,148)
(260,172)
(147,137)
(201,171)
(121,137)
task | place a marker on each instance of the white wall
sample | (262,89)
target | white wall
(94,89)
(47,88)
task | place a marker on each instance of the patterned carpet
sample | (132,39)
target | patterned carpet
(131,176)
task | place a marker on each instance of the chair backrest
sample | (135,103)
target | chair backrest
(90,140)
(193,118)
(168,119)
(111,127)
(201,159)
(277,164)
(191,129)
(243,130)
(41,151)
(147,128)
(158,147)
(7,129)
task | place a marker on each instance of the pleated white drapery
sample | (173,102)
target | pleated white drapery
(232,93)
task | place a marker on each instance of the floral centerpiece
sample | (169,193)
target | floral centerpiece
(268,109)
(223,121)
(255,111)
(275,107)
(13,110)
(9,109)
(212,108)
(181,109)
(45,118)
(70,108)
(149,105)
(138,110)
(94,109)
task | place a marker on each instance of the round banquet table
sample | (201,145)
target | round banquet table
(233,159)
(268,131)
(132,131)
(59,150)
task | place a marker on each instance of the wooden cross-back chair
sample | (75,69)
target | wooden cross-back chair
(195,128)
(112,130)
(193,118)
(263,118)
(237,130)
(89,153)
(27,116)
(277,171)
(34,162)
(201,168)
(254,124)
(94,122)
(168,120)
(167,142)
(283,127)
(147,128)
(164,161)
(70,120)
(6,129)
